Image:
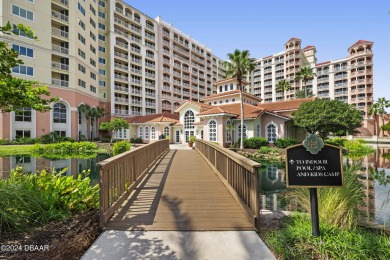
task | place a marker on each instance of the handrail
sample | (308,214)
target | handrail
(120,175)
(237,172)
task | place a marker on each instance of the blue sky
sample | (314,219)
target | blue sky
(262,27)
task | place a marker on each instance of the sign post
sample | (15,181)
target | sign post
(314,165)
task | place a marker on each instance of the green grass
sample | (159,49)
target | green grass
(7,150)
(295,241)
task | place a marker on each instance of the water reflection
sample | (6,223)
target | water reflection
(32,164)
(375,175)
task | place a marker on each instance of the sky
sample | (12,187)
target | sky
(262,27)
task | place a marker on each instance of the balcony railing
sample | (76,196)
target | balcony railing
(61,83)
(59,15)
(63,2)
(121,89)
(123,100)
(121,112)
(59,66)
(121,77)
(59,32)
(60,49)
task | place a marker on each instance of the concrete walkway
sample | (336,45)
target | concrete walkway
(174,245)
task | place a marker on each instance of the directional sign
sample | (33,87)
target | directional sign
(305,169)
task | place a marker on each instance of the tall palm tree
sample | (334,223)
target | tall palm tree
(301,94)
(282,85)
(382,104)
(86,110)
(374,111)
(238,66)
(96,113)
(305,74)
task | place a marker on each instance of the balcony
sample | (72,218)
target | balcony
(120,77)
(150,104)
(122,100)
(136,60)
(60,49)
(59,66)
(136,81)
(149,94)
(120,66)
(150,65)
(138,40)
(61,33)
(136,102)
(135,50)
(121,89)
(63,2)
(150,75)
(121,55)
(121,44)
(126,35)
(121,112)
(60,83)
(340,93)
(150,84)
(135,71)
(60,16)
(166,88)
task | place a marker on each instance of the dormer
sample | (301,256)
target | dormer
(230,84)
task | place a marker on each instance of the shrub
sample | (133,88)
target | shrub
(5,142)
(357,148)
(137,140)
(120,147)
(26,140)
(267,150)
(105,139)
(66,150)
(254,142)
(53,137)
(285,142)
(192,139)
(336,141)
(337,206)
(82,138)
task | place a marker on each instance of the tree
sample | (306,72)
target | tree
(16,93)
(323,116)
(86,110)
(380,107)
(374,110)
(282,85)
(238,66)
(305,74)
(114,125)
(302,94)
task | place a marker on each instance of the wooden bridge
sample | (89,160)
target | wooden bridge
(155,188)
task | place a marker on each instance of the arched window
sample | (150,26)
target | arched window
(166,131)
(189,119)
(141,132)
(228,131)
(239,131)
(153,133)
(59,113)
(272,133)
(226,87)
(258,130)
(220,89)
(231,86)
(212,131)
(146,133)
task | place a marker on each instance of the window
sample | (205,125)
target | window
(92,22)
(239,131)
(229,127)
(81,83)
(92,88)
(92,9)
(23,51)
(22,134)
(24,70)
(102,15)
(227,101)
(146,133)
(212,131)
(80,117)
(93,62)
(220,89)
(82,68)
(233,100)
(59,113)
(258,130)
(102,72)
(93,49)
(102,83)
(102,37)
(102,26)
(22,13)
(93,36)
(226,87)
(272,133)
(153,133)
(81,54)
(141,132)
(231,86)
(92,75)
(189,119)
(81,8)
(82,24)
(24,115)
(102,60)
(31,1)
(166,131)
(81,39)
(102,3)
(102,49)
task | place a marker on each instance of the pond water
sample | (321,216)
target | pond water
(32,164)
(274,194)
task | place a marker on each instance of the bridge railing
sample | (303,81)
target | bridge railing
(239,172)
(120,175)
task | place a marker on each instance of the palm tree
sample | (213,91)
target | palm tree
(374,111)
(301,94)
(382,104)
(86,110)
(238,66)
(305,74)
(282,85)
(96,113)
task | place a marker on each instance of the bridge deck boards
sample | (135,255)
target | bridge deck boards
(182,193)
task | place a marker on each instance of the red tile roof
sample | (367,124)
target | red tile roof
(270,56)
(322,63)
(164,117)
(294,39)
(250,111)
(232,92)
(308,47)
(285,105)
(202,106)
(359,42)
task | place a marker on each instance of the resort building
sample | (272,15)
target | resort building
(348,79)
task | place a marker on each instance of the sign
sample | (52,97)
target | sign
(322,169)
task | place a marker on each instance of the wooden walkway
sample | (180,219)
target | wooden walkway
(182,193)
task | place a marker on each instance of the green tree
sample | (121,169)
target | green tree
(282,85)
(305,74)
(238,66)
(86,110)
(380,108)
(374,111)
(95,114)
(114,125)
(323,116)
(16,93)
(302,94)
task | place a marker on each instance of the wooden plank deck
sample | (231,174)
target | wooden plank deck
(182,193)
